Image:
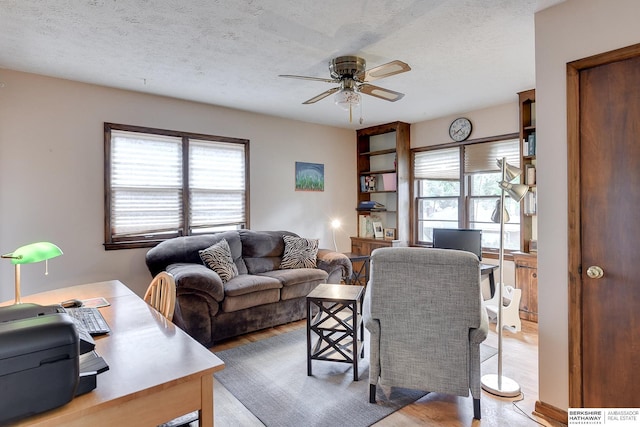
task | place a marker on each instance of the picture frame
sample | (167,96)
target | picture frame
(389,233)
(378,231)
(309,176)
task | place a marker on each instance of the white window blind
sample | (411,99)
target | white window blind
(161,184)
(482,157)
(441,164)
(216,183)
(146,183)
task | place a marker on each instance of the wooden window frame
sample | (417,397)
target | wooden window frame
(112,243)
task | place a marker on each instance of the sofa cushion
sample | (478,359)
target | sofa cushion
(299,252)
(299,282)
(262,250)
(252,299)
(296,276)
(197,277)
(218,258)
(248,283)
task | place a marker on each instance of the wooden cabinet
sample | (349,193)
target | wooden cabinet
(383,154)
(528,226)
(363,245)
(527,280)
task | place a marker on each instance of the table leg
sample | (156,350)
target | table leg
(206,403)
(354,333)
(308,337)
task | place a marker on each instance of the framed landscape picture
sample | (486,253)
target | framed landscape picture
(309,176)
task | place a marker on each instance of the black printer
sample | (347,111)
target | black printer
(40,360)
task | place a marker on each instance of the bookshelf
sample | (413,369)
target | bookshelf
(529,209)
(383,177)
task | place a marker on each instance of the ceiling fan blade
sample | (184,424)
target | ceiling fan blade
(380,92)
(318,79)
(322,95)
(386,70)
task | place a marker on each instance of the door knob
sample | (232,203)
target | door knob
(595,272)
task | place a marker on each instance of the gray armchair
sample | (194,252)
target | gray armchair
(423,308)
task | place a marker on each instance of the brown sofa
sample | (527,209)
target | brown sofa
(260,296)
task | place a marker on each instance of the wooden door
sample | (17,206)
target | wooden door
(604,229)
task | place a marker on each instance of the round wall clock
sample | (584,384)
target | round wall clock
(460,129)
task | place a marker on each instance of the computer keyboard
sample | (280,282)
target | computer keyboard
(90,318)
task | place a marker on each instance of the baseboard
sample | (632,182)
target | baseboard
(550,412)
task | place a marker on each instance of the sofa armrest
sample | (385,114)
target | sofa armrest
(331,262)
(196,277)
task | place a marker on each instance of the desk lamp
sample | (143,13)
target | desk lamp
(29,254)
(499,384)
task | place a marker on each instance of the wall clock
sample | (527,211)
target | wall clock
(460,129)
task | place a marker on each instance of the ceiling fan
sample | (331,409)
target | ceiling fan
(352,77)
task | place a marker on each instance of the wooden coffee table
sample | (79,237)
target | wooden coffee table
(336,325)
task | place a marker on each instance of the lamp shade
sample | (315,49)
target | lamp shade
(495,216)
(511,172)
(34,252)
(515,191)
(347,98)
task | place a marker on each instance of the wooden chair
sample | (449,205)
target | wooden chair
(161,294)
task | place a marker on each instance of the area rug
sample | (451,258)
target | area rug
(269,378)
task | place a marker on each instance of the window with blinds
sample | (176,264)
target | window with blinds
(456,187)
(162,184)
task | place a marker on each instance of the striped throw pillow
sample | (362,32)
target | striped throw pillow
(299,253)
(218,258)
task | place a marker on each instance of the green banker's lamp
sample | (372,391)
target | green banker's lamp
(29,254)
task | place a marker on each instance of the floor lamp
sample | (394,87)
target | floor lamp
(335,224)
(492,383)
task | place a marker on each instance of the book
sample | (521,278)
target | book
(365,226)
(389,182)
(532,145)
(530,175)
(370,205)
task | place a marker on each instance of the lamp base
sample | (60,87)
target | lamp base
(505,388)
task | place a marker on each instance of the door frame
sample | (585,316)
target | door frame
(576,396)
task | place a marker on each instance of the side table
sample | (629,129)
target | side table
(336,324)
(360,275)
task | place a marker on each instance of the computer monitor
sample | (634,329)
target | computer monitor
(460,239)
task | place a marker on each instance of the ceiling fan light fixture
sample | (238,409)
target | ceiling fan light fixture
(347,99)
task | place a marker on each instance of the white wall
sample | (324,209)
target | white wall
(51,174)
(492,121)
(569,31)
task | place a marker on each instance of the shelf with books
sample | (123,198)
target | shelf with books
(383,176)
(528,164)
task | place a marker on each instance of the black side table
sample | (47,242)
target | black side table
(336,324)
(359,276)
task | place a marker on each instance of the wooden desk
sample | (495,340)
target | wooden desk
(156,371)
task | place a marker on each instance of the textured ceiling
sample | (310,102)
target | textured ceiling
(464,55)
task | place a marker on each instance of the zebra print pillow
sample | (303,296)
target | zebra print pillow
(299,253)
(218,258)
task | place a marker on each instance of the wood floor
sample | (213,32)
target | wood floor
(520,363)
